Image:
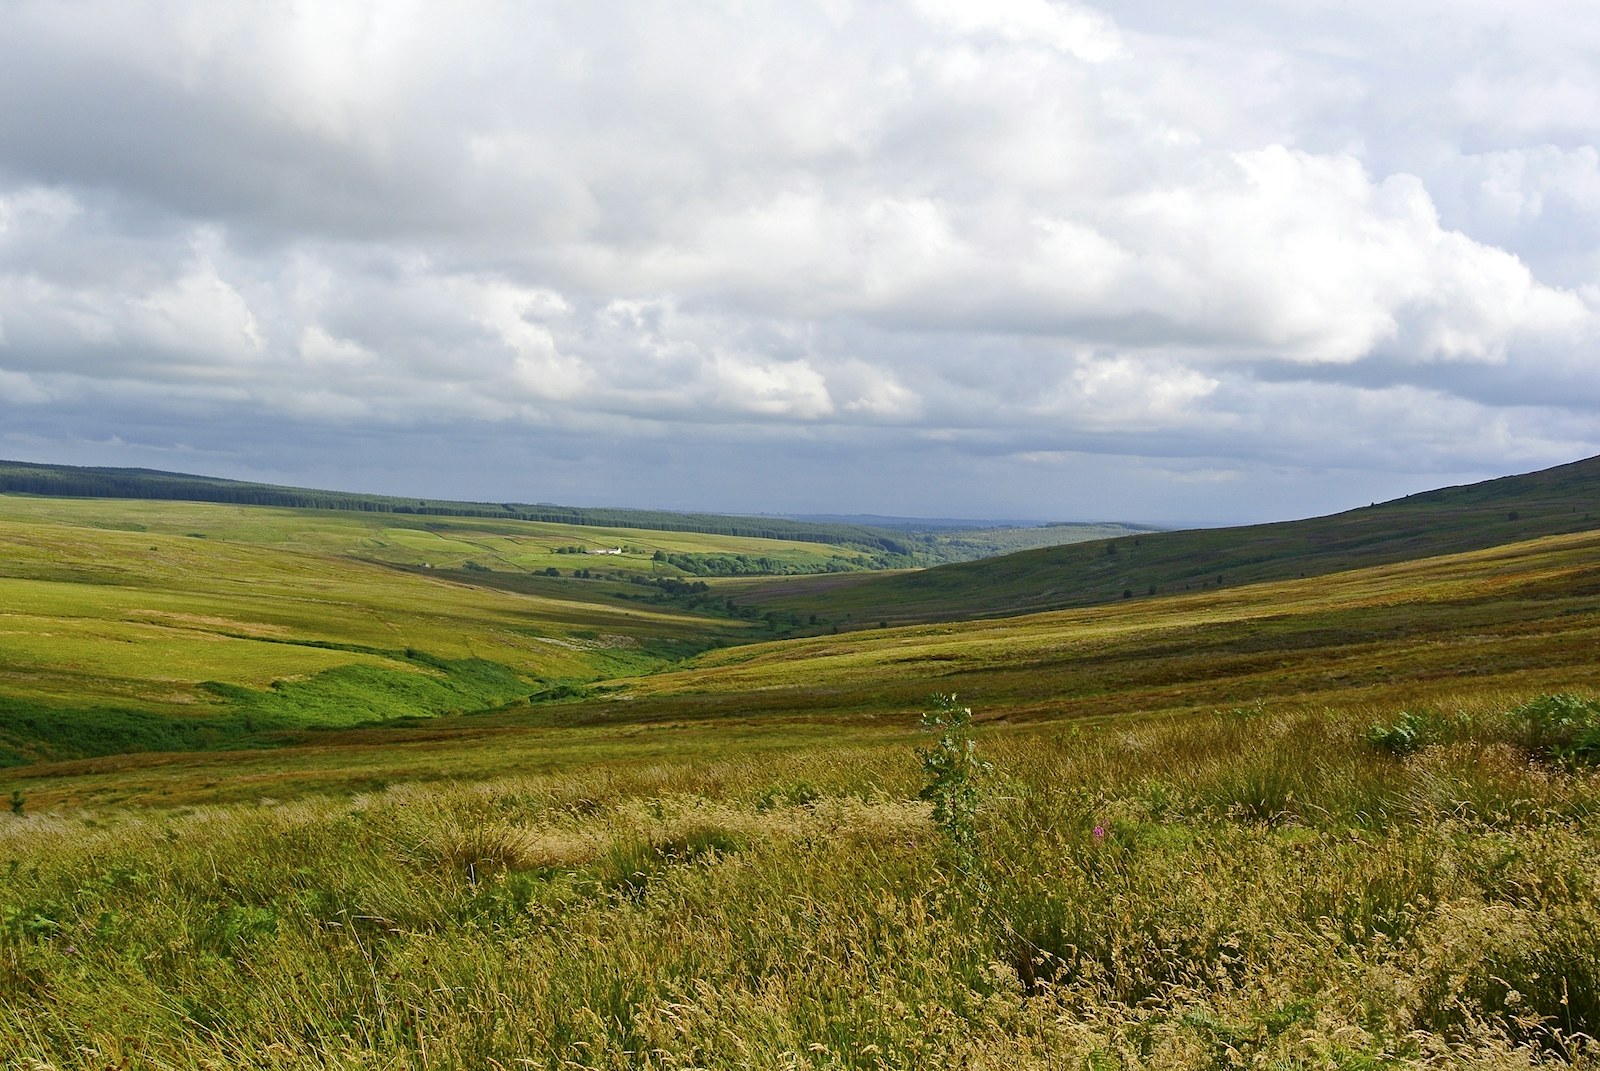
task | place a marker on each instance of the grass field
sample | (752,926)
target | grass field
(435,542)
(128,626)
(1524,616)
(1253,888)
(1333,822)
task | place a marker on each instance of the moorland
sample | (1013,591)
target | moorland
(333,787)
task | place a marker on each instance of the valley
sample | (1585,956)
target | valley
(328,788)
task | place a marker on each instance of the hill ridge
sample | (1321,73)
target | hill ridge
(75,481)
(1507,509)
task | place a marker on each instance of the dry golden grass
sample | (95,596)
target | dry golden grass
(1253,888)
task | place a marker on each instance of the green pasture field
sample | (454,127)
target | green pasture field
(1520,616)
(1255,887)
(971,544)
(1499,623)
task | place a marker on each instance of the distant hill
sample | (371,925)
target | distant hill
(1455,519)
(895,542)
(915,524)
(939,540)
(70,481)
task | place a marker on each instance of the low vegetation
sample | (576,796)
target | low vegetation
(882,542)
(20,477)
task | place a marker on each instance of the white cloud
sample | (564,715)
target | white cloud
(1076,31)
(318,347)
(1021,228)
(515,315)
(1120,392)
(199,314)
(769,388)
(873,392)
(1517,186)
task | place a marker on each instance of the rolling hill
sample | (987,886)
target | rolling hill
(163,625)
(1451,520)
(881,542)
(23,477)
(140,625)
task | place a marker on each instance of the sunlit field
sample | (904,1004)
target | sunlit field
(115,640)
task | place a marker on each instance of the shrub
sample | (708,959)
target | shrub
(953,770)
(1563,727)
(1409,732)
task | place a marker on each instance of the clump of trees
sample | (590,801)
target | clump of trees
(726,564)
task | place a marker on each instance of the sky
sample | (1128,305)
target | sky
(1148,261)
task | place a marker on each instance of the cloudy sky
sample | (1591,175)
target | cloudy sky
(1149,260)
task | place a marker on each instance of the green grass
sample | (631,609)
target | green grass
(435,542)
(971,544)
(69,481)
(1505,622)
(1517,617)
(267,623)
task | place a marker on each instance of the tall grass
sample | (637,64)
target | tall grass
(1239,889)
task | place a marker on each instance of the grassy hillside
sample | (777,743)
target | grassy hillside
(1488,625)
(1308,824)
(1520,616)
(1349,821)
(22,477)
(897,542)
(489,544)
(937,540)
(1497,512)
(974,544)
(145,624)
(139,625)
(169,625)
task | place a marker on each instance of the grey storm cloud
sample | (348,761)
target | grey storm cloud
(1020,258)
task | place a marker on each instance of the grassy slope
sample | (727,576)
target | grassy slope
(1502,622)
(856,536)
(1553,501)
(71,481)
(972,544)
(1524,615)
(438,542)
(115,640)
